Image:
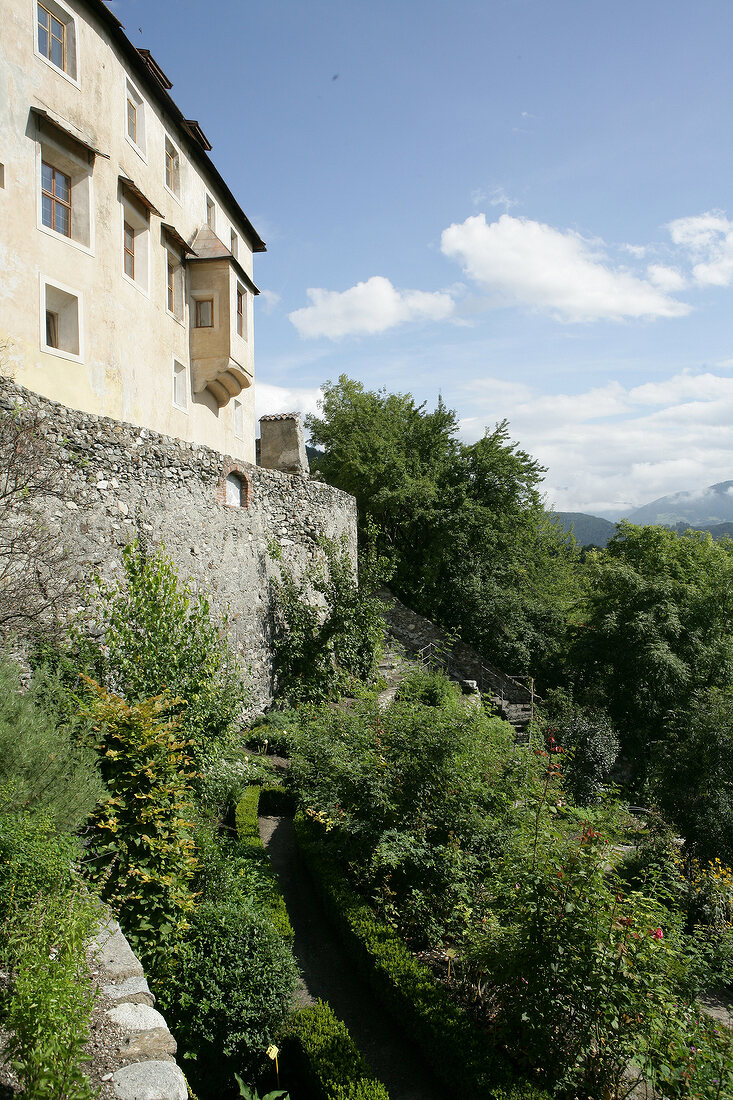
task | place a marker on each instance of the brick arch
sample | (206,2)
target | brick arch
(245,481)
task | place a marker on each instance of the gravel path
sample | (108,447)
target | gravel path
(329,975)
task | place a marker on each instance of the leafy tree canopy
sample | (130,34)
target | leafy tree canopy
(463,523)
(657,626)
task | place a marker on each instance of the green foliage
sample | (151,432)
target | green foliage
(252,1094)
(35,861)
(458,1052)
(656,627)
(695,774)
(225,774)
(230,991)
(49,1010)
(160,638)
(464,524)
(333,1067)
(429,687)
(322,647)
(44,764)
(273,732)
(250,844)
(590,743)
(142,844)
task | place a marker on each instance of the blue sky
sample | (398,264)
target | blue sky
(523,205)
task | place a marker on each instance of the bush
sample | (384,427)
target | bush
(50,1007)
(248,833)
(590,743)
(230,992)
(142,844)
(330,1062)
(160,638)
(274,732)
(35,861)
(428,686)
(43,765)
(459,1053)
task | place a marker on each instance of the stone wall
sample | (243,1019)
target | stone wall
(124,481)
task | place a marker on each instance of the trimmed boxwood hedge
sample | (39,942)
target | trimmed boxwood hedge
(248,833)
(459,1053)
(319,1051)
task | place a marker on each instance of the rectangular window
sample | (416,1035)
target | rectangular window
(134,117)
(171,285)
(129,250)
(60,321)
(51,38)
(170,164)
(238,414)
(180,396)
(55,199)
(241,302)
(52,329)
(2,175)
(131,120)
(210,213)
(205,313)
(235,245)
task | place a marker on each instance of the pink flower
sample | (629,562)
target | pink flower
(658,934)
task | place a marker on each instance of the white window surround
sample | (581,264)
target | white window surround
(170,145)
(180,386)
(68,18)
(241,290)
(140,145)
(210,212)
(61,299)
(82,194)
(172,257)
(234,245)
(238,418)
(134,215)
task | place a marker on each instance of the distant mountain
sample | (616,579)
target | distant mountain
(588,530)
(694,509)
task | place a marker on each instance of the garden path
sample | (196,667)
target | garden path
(328,974)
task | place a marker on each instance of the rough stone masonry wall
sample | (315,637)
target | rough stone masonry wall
(124,480)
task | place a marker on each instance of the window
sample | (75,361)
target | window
(241,311)
(210,213)
(55,199)
(174,285)
(64,193)
(235,246)
(172,168)
(60,324)
(56,37)
(134,117)
(204,313)
(129,250)
(180,389)
(135,242)
(2,175)
(233,490)
(238,417)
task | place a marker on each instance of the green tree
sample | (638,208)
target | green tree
(657,626)
(464,524)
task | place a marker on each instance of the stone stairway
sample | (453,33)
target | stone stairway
(412,637)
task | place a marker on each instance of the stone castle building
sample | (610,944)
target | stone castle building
(126,281)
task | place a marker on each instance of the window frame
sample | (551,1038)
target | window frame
(59,157)
(178,363)
(132,213)
(175,159)
(140,142)
(198,302)
(174,267)
(128,251)
(210,213)
(49,349)
(238,407)
(241,315)
(55,199)
(54,9)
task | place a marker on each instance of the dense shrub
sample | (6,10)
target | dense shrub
(35,861)
(230,992)
(332,1066)
(141,841)
(590,743)
(159,637)
(44,764)
(428,686)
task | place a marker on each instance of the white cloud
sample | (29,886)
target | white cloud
(370,307)
(709,240)
(269,300)
(279,399)
(616,447)
(526,263)
(497,197)
(668,279)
